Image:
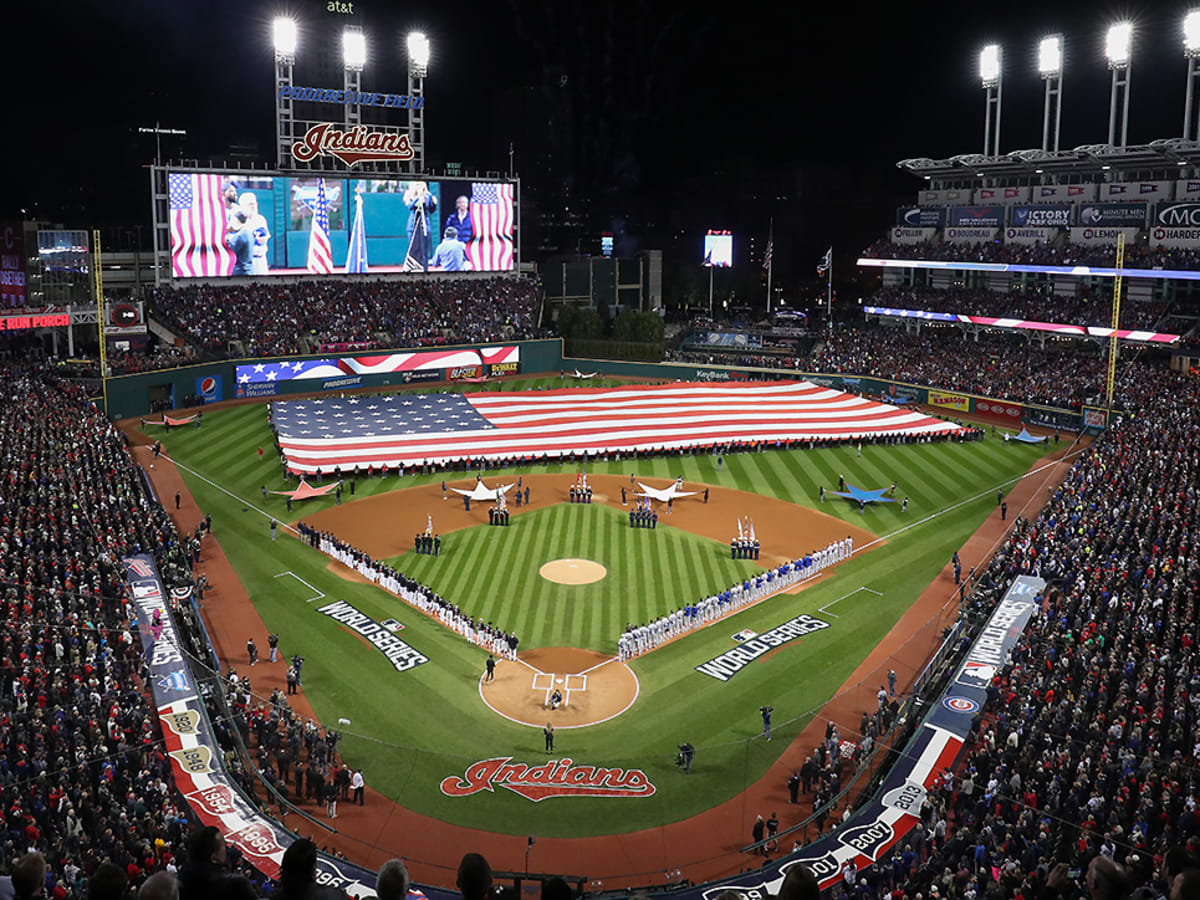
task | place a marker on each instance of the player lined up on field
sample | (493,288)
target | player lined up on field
(644,638)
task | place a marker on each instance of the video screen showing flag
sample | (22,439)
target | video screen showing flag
(249,224)
(718,249)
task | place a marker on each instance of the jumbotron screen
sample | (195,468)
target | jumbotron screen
(718,249)
(251,224)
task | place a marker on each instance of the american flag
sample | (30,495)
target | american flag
(767,255)
(320,257)
(825,263)
(197,226)
(491,247)
(408,429)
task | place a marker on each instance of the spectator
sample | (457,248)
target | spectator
(392,881)
(474,878)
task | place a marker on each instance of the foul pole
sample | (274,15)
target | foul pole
(1116,322)
(98,280)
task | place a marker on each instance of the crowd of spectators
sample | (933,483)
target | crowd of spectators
(276,319)
(1056,253)
(1082,768)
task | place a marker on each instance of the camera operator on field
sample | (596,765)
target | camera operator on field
(684,758)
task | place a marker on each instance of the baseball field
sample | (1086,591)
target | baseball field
(416,733)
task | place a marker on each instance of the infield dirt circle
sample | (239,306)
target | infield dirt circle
(595,688)
(572,571)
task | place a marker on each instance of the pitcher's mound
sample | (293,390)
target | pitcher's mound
(594,688)
(572,571)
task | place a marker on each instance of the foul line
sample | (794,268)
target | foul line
(320,595)
(825,609)
(242,500)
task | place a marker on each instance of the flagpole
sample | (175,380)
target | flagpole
(829,289)
(770,262)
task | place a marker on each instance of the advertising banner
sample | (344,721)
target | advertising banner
(1005,195)
(1113,214)
(1179,214)
(969,235)
(910,313)
(1100,236)
(1187,189)
(254,224)
(1136,190)
(977,216)
(1076,193)
(1030,235)
(12,264)
(464,373)
(398,363)
(508,368)
(196,758)
(1056,215)
(728,339)
(921,216)
(1175,237)
(888,817)
(208,389)
(905,235)
(43,317)
(947,400)
(943,197)
(1001,410)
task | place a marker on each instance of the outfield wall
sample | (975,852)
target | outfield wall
(136,395)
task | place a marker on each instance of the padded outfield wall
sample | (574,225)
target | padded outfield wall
(136,395)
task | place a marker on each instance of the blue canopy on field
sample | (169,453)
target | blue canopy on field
(857,494)
(1026,438)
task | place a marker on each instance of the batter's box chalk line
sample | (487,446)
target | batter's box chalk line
(319,594)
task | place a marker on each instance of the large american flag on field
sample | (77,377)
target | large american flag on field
(410,429)
(197,215)
(320,257)
(491,246)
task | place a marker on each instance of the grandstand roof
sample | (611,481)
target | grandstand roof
(1095,160)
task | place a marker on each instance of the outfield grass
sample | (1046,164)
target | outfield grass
(493,573)
(409,730)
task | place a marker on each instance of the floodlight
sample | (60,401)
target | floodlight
(418,52)
(354,49)
(1050,56)
(1118,43)
(1191,33)
(989,64)
(283,31)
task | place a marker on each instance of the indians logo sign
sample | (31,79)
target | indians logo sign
(358,144)
(556,778)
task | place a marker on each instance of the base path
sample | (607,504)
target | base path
(383,525)
(593,687)
(381,829)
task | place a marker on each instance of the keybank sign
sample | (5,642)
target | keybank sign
(1178,215)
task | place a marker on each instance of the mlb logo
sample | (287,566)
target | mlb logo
(977,674)
(745,634)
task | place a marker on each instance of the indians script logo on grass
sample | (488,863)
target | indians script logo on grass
(556,778)
(358,144)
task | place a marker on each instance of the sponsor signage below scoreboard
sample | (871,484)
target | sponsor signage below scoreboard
(921,216)
(1113,214)
(1175,237)
(1056,215)
(969,235)
(504,368)
(977,217)
(464,373)
(1030,235)
(903,234)
(947,400)
(1100,236)
(998,409)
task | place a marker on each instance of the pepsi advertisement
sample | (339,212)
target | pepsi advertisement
(208,389)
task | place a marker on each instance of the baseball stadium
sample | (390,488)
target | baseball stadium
(368,548)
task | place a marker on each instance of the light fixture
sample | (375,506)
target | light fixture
(354,49)
(1118,44)
(1050,56)
(418,52)
(1191,33)
(283,34)
(989,64)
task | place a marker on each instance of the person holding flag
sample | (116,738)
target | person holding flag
(421,204)
(320,257)
(356,253)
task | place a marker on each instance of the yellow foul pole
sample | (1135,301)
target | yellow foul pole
(98,278)
(1116,322)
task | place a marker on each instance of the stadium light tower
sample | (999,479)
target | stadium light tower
(1118,47)
(284,36)
(991,74)
(1050,65)
(417,45)
(354,57)
(1191,49)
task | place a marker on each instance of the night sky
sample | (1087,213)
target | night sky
(652,119)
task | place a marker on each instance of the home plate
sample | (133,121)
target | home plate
(558,681)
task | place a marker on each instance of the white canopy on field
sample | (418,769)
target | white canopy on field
(482,492)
